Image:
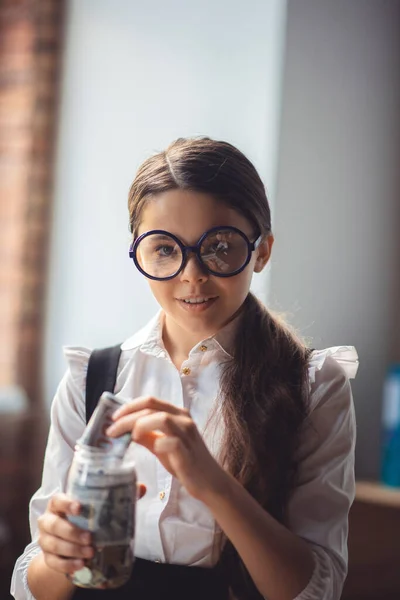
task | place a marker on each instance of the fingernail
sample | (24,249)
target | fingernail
(116,414)
(110,430)
(85,538)
(75,508)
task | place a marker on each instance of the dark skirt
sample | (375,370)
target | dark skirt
(161,581)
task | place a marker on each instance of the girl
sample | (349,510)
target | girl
(250,482)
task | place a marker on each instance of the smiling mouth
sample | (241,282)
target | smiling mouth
(199,300)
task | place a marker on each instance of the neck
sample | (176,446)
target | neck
(178,342)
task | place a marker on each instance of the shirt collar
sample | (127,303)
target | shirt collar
(149,339)
(225,337)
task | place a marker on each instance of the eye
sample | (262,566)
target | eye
(165,250)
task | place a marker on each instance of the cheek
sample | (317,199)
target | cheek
(238,287)
(159,289)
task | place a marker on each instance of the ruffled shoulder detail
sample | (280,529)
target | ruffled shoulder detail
(77,358)
(345,356)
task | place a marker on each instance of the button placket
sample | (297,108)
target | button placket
(188,384)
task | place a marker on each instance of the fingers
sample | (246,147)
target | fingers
(126,417)
(63,565)
(61,504)
(147,402)
(173,421)
(51,544)
(64,546)
(167,444)
(54,525)
(126,423)
(180,426)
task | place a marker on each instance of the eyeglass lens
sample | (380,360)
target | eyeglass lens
(222,252)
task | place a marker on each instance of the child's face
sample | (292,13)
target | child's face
(187,215)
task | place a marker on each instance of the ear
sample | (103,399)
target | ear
(263,253)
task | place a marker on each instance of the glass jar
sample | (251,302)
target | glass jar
(105,487)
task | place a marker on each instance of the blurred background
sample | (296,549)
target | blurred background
(309,90)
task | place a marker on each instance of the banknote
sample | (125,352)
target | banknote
(95,435)
(105,487)
(108,512)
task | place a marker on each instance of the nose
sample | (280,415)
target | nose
(193,271)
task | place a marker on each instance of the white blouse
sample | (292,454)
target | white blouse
(172,526)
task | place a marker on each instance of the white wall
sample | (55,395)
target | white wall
(336,260)
(136,76)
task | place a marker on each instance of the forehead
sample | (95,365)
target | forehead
(188,214)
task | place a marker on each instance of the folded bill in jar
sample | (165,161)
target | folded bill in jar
(95,431)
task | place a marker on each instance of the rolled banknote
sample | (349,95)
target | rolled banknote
(95,432)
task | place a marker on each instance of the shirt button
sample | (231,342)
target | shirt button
(186,371)
(203,348)
(161,495)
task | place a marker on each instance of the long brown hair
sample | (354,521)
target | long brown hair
(264,388)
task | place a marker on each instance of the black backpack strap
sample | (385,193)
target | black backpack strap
(101,375)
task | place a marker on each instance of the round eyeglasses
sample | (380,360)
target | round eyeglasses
(221,251)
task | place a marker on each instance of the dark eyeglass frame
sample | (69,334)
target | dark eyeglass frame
(251,246)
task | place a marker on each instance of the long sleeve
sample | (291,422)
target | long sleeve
(318,510)
(67,424)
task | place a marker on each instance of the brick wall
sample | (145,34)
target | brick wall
(30,49)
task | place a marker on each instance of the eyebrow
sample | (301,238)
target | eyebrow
(159,237)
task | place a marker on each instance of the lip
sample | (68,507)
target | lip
(196,297)
(196,307)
